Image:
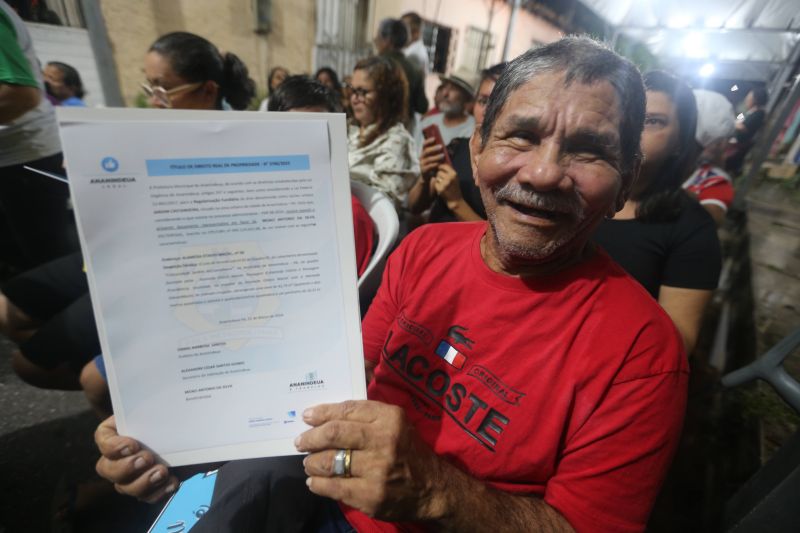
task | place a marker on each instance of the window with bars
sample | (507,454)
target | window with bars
(341,38)
(437,40)
(478,44)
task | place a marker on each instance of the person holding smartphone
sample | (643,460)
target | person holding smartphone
(446,185)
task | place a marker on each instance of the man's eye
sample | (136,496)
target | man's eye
(527,136)
(588,154)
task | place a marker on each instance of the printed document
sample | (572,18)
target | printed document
(220,258)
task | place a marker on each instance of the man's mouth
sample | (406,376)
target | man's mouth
(535,211)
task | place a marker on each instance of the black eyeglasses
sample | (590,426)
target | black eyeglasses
(359,92)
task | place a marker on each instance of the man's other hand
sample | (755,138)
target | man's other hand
(133,470)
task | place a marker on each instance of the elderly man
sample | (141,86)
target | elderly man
(518,379)
(454,120)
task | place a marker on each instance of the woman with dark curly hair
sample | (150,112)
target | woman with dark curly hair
(381,151)
(663,237)
(186,71)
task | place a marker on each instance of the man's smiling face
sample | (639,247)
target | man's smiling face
(550,169)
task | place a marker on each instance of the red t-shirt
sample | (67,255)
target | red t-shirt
(712,185)
(364,231)
(571,387)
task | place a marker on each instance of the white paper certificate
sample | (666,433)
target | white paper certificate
(220,256)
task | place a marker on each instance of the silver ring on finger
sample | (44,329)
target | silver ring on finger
(341,463)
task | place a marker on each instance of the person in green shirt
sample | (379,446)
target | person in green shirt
(19,92)
(34,210)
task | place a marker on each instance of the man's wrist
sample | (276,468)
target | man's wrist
(437,506)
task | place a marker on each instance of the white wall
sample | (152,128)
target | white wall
(70,46)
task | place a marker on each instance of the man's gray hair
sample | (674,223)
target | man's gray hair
(585,61)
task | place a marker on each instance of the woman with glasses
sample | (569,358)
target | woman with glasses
(450,191)
(185,71)
(381,151)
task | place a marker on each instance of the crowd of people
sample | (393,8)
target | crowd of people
(567,210)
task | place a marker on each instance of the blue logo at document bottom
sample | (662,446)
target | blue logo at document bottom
(109,164)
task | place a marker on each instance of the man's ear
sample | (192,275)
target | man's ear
(628,181)
(475,148)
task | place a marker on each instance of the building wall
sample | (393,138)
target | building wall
(229,24)
(133,26)
(70,46)
(460,14)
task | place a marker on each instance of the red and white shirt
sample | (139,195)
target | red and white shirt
(711,185)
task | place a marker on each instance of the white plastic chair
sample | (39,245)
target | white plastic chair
(382,212)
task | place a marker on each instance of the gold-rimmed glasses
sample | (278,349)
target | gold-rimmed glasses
(163,95)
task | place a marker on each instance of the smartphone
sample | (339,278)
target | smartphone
(433,131)
(189,503)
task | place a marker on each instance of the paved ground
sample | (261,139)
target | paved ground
(46,443)
(774,224)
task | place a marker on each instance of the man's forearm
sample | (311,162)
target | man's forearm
(419,196)
(462,503)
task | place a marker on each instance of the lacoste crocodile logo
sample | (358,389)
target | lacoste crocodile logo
(455,334)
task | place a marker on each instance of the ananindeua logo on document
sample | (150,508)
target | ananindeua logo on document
(111,165)
(310,381)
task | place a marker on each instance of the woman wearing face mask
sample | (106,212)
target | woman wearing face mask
(450,191)
(185,71)
(662,237)
(381,151)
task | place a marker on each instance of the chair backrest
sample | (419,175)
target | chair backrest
(382,212)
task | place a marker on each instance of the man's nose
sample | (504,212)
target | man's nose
(542,168)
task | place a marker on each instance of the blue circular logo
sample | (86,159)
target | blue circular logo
(109,164)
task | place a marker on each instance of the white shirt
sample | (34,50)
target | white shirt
(417,54)
(389,164)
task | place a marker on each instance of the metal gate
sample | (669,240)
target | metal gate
(341,34)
